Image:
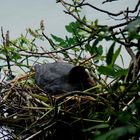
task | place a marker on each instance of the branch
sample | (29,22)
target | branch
(56,51)
(108,1)
(74,16)
(125,12)
(113,14)
(5,45)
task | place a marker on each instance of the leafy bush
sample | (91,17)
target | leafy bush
(107,111)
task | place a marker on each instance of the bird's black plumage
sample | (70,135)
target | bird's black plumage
(61,77)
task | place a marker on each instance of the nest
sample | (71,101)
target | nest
(28,112)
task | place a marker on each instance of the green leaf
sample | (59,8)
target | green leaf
(106,70)
(112,71)
(76,49)
(100,50)
(72,27)
(57,39)
(115,55)
(117,133)
(61,42)
(69,28)
(90,49)
(100,126)
(24,40)
(16,56)
(110,54)
(133,26)
(121,72)
(95,42)
(70,41)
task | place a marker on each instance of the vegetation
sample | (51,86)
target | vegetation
(107,111)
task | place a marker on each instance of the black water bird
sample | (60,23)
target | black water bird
(61,77)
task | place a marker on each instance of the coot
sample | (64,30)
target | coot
(61,77)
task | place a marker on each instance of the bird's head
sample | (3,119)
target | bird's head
(78,74)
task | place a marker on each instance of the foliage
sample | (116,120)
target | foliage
(108,111)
